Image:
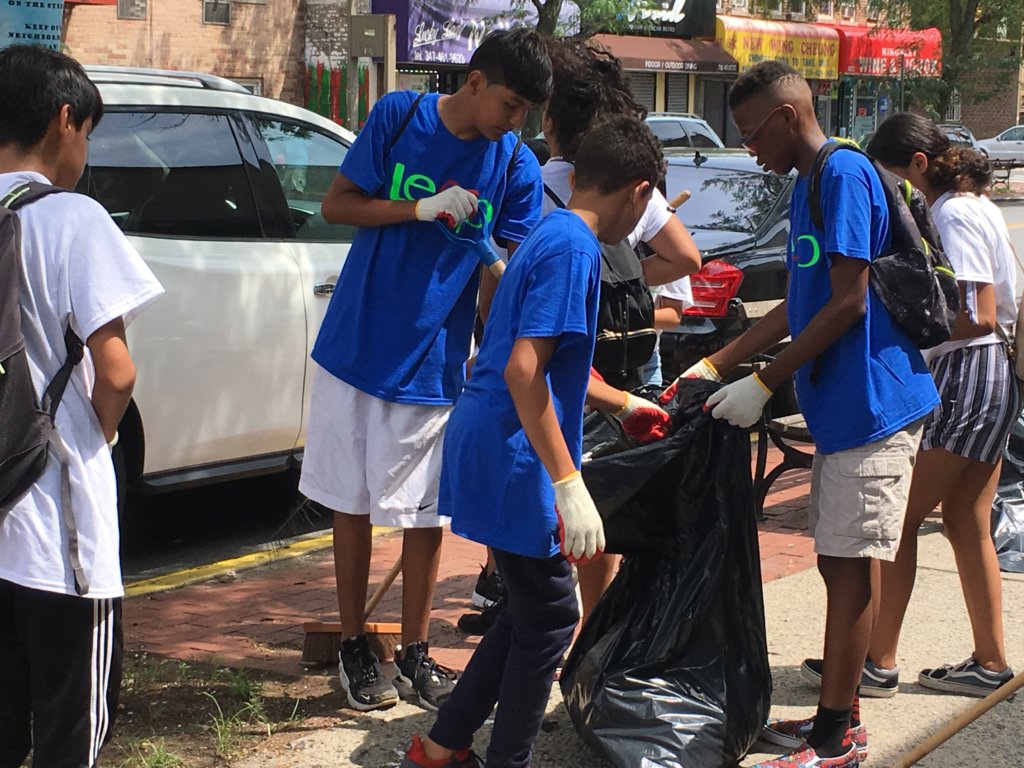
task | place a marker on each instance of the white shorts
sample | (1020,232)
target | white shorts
(367,456)
(859,496)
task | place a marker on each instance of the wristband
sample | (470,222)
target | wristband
(624,407)
(763,385)
(570,476)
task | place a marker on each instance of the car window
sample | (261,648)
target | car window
(1014,134)
(174,174)
(670,133)
(959,136)
(306,162)
(737,201)
(702,136)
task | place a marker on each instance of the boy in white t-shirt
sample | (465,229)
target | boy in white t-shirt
(60,655)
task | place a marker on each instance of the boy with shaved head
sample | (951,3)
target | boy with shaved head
(863,388)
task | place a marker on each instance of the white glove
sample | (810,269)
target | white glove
(454,205)
(741,402)
(579,524)
(703,369)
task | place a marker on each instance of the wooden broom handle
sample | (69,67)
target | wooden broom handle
(966,717)
(679,199)
(378,594)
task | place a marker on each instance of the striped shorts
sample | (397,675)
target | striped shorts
(980,403)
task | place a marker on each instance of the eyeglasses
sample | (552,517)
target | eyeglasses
(747,142)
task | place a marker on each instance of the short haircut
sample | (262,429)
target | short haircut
(517,59)
(35,82)
(951,168)
(587,86)
(618,151)
(764,77)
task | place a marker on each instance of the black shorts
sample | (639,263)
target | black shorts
(60,671)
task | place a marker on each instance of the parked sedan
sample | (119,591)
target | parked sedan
(220,193)
(1007,148)
(738,215)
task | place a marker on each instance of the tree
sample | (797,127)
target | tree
(981,44)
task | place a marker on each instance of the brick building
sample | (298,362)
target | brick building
(991,116)
(259,44)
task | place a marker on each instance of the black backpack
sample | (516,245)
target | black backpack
(625,315)
(28,423)
(913,279)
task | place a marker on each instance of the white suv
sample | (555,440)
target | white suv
(220,191)
(682,129)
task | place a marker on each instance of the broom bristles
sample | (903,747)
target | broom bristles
(322,642)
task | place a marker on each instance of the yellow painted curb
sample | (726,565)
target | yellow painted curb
(199,573)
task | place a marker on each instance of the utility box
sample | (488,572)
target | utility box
(370,35)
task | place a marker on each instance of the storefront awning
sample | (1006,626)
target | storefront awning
(885,52)
(811,49)
(664,54)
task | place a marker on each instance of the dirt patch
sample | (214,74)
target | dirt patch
(204,715)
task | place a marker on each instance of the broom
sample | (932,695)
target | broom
(322,642)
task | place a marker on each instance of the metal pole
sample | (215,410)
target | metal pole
(903,67)
(352,75)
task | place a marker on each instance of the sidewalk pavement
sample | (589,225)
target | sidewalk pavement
(254,621)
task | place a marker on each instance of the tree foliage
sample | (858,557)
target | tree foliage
(981,44)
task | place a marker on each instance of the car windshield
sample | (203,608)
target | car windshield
(737,201)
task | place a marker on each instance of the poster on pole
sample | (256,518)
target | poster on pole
(31,22)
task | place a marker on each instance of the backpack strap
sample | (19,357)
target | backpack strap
(17,198)
(555,198)
(404,124)
(26,193)
(814,182)
(398,133)
(55,389)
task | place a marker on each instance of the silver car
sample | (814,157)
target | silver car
(1007,148)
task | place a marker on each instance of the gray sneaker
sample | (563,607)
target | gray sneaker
(361,677)
(875,682)
(420,675)
(968,678)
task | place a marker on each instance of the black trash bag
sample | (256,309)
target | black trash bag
(1008,506)
(671,669)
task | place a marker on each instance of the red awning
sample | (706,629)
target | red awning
(666,54)
(885,52)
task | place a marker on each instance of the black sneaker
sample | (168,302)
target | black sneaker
(478,623)
(420,674)
(362,678)
(489,589)
(967,677)
(875,682)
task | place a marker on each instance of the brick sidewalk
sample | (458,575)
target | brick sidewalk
(256,620)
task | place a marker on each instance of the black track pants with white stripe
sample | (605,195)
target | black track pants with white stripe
(60,664)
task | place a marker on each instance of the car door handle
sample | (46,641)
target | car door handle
(323,289)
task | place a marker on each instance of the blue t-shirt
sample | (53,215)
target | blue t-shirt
(872,381)
(493,484)
(399,323)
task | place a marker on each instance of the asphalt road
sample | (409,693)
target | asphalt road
(203,525)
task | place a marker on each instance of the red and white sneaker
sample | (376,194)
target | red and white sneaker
(806,757)
(793,734)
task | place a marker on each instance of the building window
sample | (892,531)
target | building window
(797,7)
(216,12)
(825,8)
(739,3)
(953,110)
(253,85)
(846,11)
(131,9)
